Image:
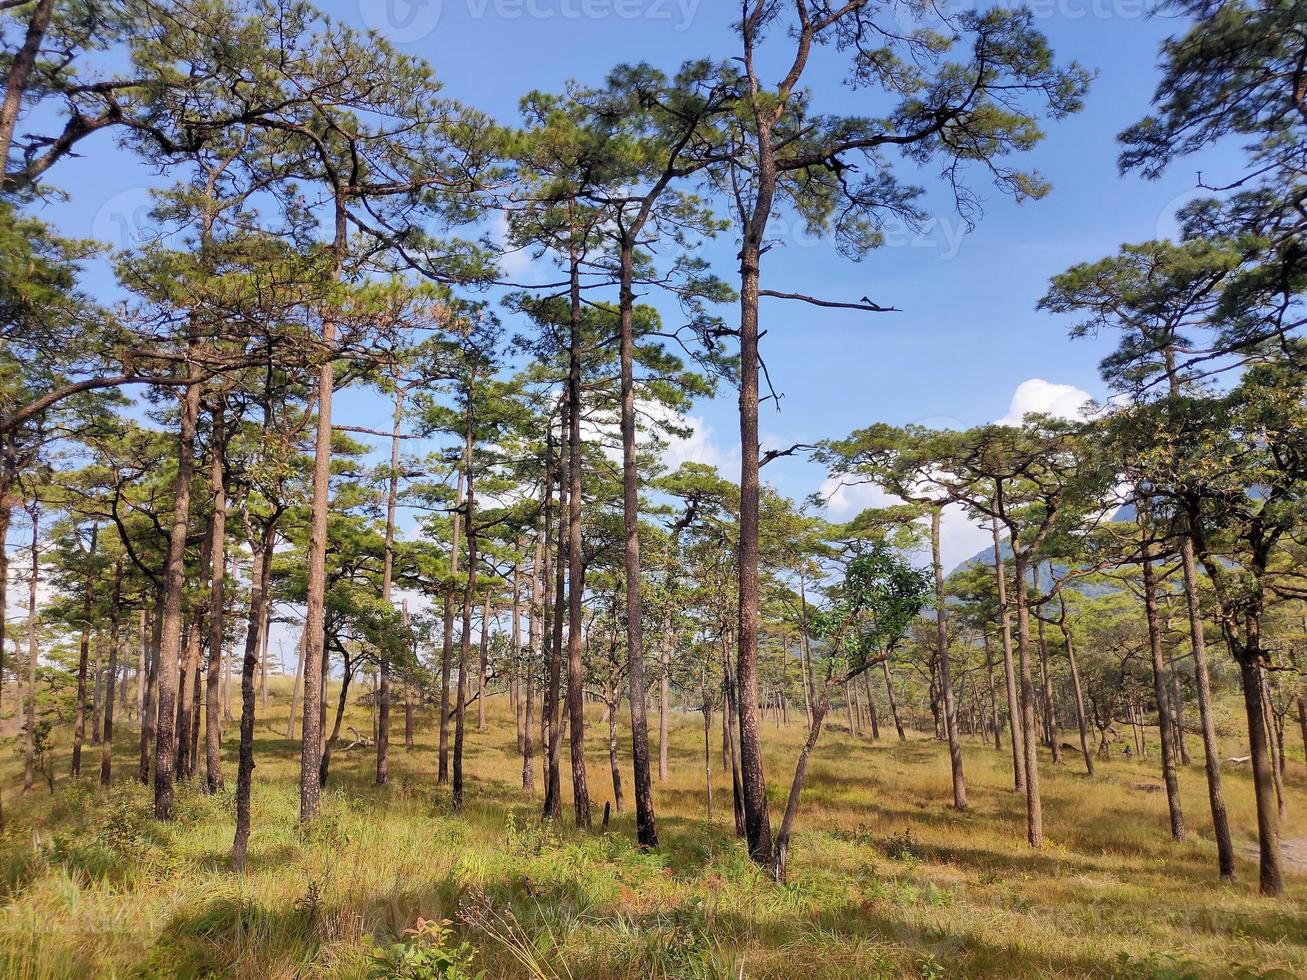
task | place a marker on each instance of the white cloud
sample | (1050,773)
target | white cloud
(1048,398)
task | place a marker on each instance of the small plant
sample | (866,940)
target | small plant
(426,953)
(902,846)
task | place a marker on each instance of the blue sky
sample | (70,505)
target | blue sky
(968,338)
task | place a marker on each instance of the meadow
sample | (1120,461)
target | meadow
(886,880)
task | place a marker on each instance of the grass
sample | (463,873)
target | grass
(886,880)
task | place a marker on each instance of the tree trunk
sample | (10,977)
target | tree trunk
(83,656)
(295,685)
(174,583)
(469,592)
(484,650)
(1046,677)
(871,707)
(945,678)
(387,581)
(1271,874)
(534,643)
(893,702)
(796,785)
(1166,731)
(253,642)
(645,823)
(33,651)
(20,72)
(149,704)
(1081,722)
(753,781)
(447,648)
(555,598)
(315,619)
(575,569)
(1014,710)
(1034,803)
(217,609)
(115,627)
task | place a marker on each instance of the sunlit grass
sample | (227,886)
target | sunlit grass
(886,880)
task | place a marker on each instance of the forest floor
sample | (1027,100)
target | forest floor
(886,879)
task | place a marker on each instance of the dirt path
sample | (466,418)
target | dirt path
(1292,849)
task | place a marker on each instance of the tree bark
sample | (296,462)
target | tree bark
(893,702)
(387,580)
(1166,731)
(20,72)
(83,655)
(645,821)
(33,652)
(174,582)
(575,568)
(217,610)
(257,623)
(1014,710)
(1081,721)
(469,592)
(115,628)
(945,677)
(149,704)
(1034,803)
(447,648)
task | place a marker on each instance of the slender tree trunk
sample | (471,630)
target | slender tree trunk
(1034,803)
(893,703)
(1302,723)
(1164,727)
(645,822)
(447,649)
(33,653)
(295,685)
(83,655)
(1014,709)
(614,704)
(217,609)
(796,784)
(149,703)
(174,582)
(387,583)
(469,592)
(752,778)
(1081,722)
(871,707)
(257,623)
(1046,675)
(1274,745)
(945,678)
(555,598)
(484,650)
(993,698)
(115,629)
(575,566)
(1177,710)
(315,618)
(1271,873)
(534,643)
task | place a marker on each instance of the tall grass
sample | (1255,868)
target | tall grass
(886,880)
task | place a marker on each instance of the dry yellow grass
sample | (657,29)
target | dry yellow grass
(886,880)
